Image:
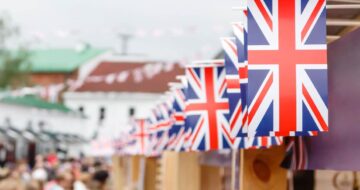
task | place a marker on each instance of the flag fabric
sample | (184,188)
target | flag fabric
(260,142)
(177,132)
(160,128)
(296,156)
(240,33)
(232,68)
(207,108)
(185,142)
(287,58)
(139,137)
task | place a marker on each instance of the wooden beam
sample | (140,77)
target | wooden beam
(343,6)
(260,169)
(342,22)
(331,38)
(344,1)
(349,28)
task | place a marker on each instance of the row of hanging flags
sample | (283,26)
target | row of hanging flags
(272,83)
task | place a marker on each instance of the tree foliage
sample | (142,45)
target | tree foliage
(14,64)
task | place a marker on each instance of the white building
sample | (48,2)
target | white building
(114,91)
(29,113)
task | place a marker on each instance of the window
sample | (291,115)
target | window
(101,114)
(131,111)
(81,109)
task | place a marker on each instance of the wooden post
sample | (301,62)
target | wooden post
(134,172)
(150,174)
(180,171)
(260,169)
(118,172)
(211,178)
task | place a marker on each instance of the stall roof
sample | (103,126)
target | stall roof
(158,83)
(33,101)
(58,60)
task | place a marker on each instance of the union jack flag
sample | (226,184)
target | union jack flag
(185,142)
(240,33)
(232,67)
(207,107)
(177,131)
(296,156)
(139,137)
(259,142)
(160,128)
(287,90)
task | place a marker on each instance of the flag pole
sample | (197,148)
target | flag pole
(233,170)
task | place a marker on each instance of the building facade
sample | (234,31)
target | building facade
(117,90)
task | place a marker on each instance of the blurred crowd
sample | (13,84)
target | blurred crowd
(49,173)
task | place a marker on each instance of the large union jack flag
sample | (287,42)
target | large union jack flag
(207,107)
(287,90)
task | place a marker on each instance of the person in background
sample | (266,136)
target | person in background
(39,172)
(33,185)
(11,180)
(79,178)
(63,181)
(24,171)
(100,176)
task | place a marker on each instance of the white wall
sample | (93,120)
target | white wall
(117,107)
(55,121)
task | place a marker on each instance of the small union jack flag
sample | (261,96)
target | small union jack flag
(232,67)
(296,157)
(177,131)
(185,142)
(160,128)
(139,137)
(207,108)
(287,90)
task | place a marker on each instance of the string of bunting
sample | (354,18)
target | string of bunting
(52,92)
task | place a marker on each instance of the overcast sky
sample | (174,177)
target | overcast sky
(163,29)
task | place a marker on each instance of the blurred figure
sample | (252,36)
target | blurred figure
(80,182)
(11,184)
(63,181)
(80,179)
(33,185)
(100,177)
(11,180)
(39,172)
(24,172)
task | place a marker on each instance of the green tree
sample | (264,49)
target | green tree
(14,64)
